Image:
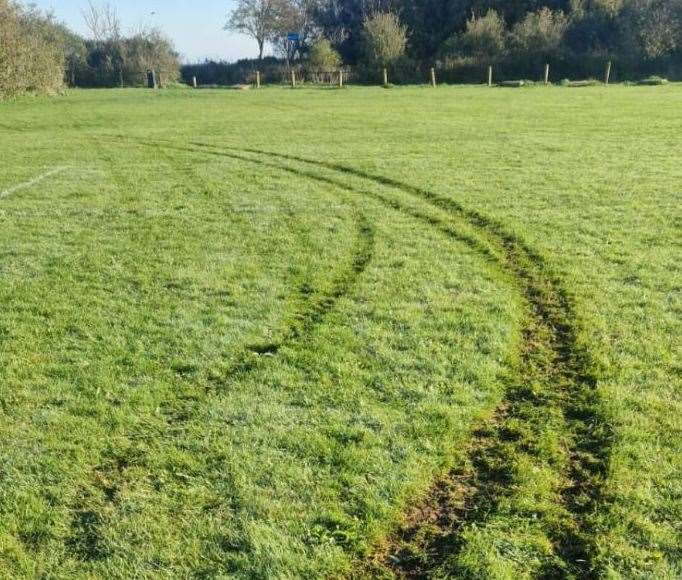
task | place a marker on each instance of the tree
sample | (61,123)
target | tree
(610,7)
(105,31)
(539,35)
(485,38)
(514,12)
(298,16)
(102,22)
(342,22)
(432,22)
(385,39)
(149,49)
(256,18)
(660,28)
(593,30)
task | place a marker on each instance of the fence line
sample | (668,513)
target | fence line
(492,75)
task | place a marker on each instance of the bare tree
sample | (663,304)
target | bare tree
(257,19)
(105,29)
(102,22)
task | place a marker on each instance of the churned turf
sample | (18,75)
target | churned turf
(415,333)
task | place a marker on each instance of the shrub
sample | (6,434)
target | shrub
(116,61)
(323,57)
(31,56)
(221,73)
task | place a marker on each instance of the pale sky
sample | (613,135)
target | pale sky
(196,27)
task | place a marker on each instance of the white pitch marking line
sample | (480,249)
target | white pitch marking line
(32,182)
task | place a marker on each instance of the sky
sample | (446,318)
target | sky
(196,27)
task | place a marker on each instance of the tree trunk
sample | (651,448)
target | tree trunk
(261,45)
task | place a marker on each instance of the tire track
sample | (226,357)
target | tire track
(551,394)
(97,503)
(315,304)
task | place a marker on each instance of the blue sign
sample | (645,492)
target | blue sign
(293,37)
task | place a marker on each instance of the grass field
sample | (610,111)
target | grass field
(342,333)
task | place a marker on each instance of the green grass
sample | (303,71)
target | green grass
(341,333)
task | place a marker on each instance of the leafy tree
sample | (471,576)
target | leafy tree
(539,35)
(485,38)
(610,7)
(433,22)
(514,12)
(385,39)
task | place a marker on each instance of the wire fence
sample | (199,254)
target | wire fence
(605,72)
(590,72)
(597,71)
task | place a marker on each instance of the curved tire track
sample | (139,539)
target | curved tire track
(554,374)
(315,304)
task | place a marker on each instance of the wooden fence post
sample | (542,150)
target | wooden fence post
(490,76)
(293,78)
(340,78)
(546,74)
(194,82)
(385,78)
(433,77)
(258,79)
(607,73)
